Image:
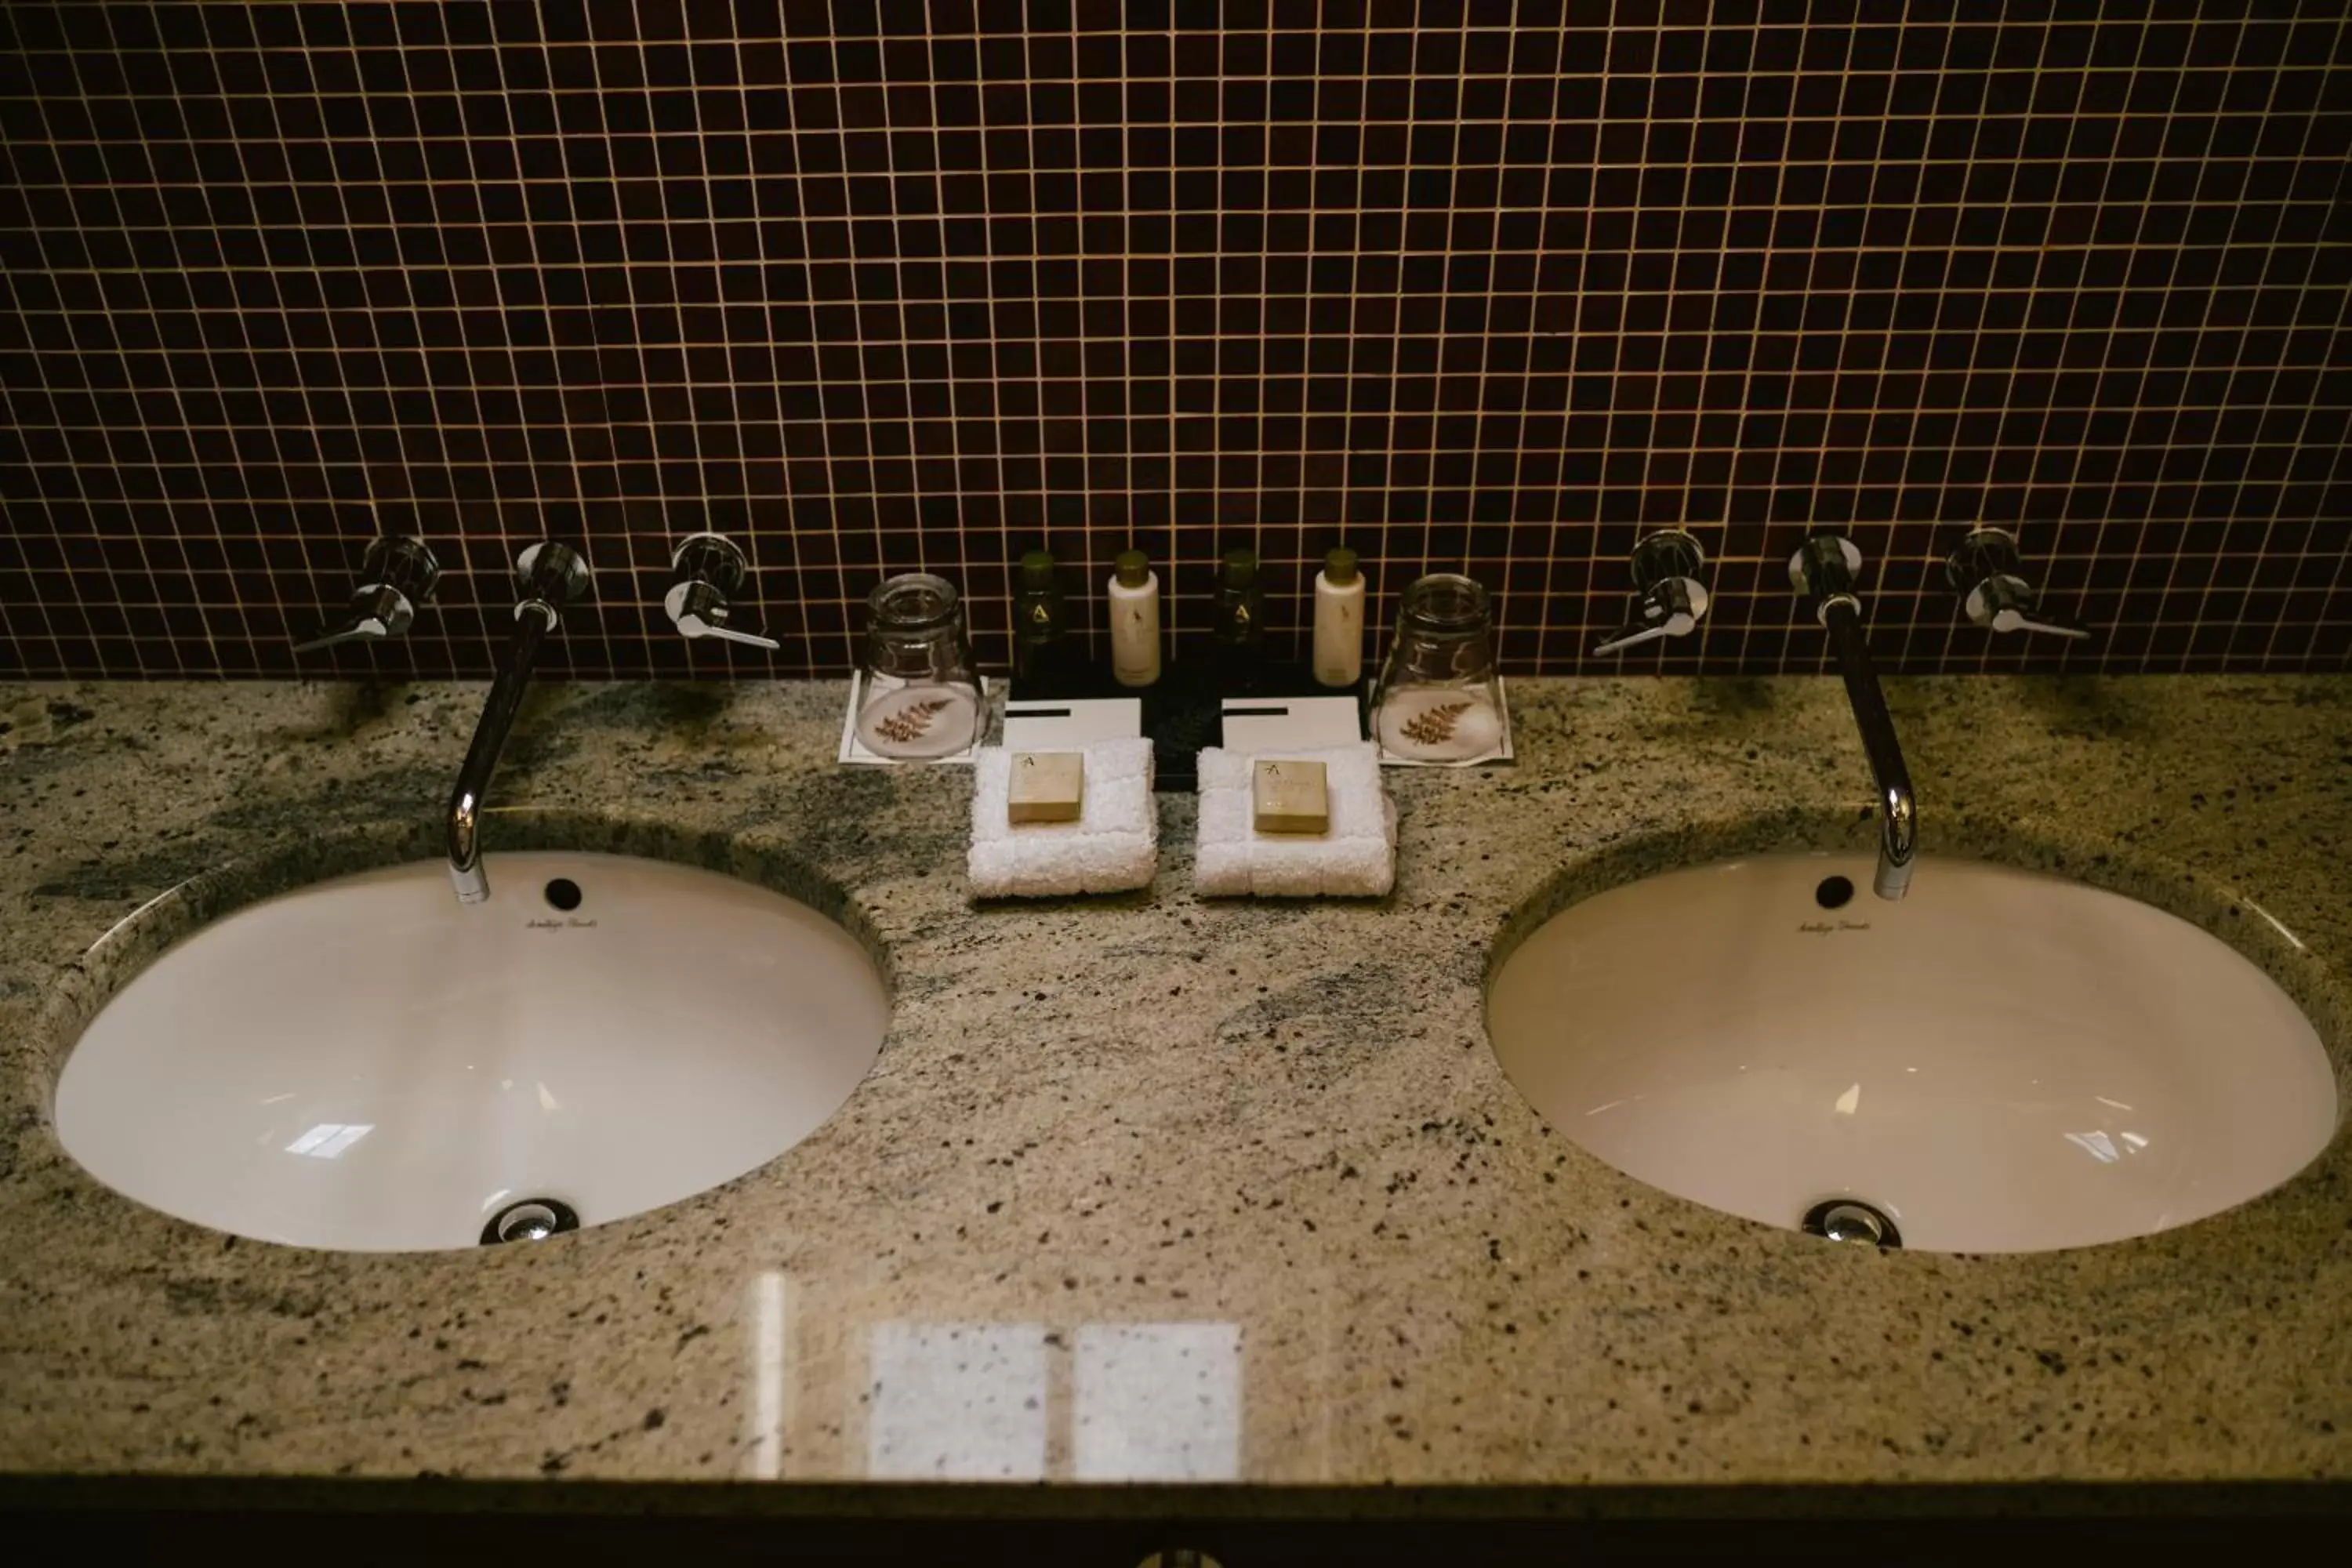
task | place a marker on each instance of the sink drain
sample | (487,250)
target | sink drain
(1851,1221)
(532,1219)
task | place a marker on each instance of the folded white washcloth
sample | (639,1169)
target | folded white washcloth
(1356,858)
(1114,845)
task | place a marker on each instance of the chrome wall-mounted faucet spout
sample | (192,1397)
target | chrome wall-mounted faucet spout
(551,575)
(1826,571)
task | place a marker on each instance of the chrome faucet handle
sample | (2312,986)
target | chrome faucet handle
(1669,599)
(707,568)
(1826,569)
(1986,571)
(397,575)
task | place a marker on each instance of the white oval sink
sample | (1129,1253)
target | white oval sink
(368,1064)
(2001,1062)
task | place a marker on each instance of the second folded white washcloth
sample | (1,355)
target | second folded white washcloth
(1113,845)
(1356,858)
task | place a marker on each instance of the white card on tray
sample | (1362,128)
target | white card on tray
(1290,723)
(1045,724)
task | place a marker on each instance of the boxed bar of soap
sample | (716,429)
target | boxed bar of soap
(1045,786)
(1290,797)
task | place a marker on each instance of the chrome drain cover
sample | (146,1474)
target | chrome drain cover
(531,1219)
(1853,1222)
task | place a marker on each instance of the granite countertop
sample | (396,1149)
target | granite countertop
(1275,1131)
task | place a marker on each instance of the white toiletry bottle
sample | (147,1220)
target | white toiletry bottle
(1338,620)
(1134,620)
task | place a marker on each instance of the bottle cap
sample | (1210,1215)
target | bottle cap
(1339,565)
(1134,568)
(1037,569)
(1241,567)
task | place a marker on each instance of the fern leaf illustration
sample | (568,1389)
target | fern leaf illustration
(910,722)
(1435,726)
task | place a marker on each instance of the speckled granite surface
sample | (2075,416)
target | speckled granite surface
(1279,1125)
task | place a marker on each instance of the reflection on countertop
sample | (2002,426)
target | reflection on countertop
(1145,1189)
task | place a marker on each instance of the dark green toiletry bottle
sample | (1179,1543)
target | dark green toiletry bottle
(1238,626)
(1039,620)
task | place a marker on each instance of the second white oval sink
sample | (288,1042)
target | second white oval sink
(367,1064)
(2001,1062)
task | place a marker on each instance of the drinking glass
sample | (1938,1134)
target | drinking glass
(1438,700)
(921,699)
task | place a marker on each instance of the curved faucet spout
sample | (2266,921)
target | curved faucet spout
(1898,813)
(1898,841)
(473,884)
(552,575)
(532,622)
(1823,571)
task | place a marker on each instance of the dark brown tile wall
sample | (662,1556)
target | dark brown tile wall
(1482,286)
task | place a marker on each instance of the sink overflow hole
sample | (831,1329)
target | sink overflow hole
(562,893)
(532,1219)
(1852,1222)
(1834,893)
